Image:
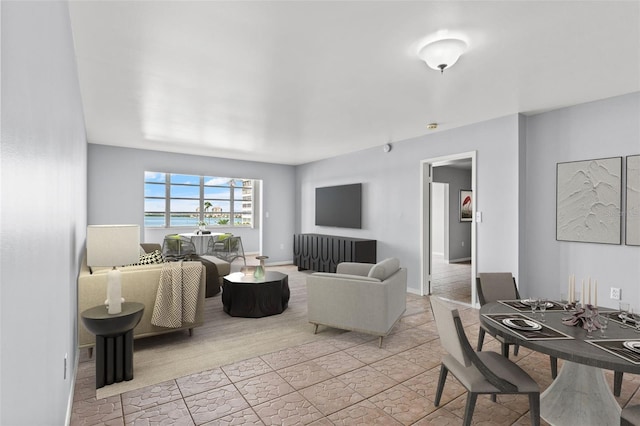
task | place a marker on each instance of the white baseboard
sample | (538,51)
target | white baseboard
(72,377)
(462,259)
(415,291)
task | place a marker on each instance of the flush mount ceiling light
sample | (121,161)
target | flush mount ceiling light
(443,53)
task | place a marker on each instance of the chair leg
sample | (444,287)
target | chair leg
(617,383)
(315,329)
(441,380)
(190,332)
(480,339)
(516,348)
(468,409)
(90,351)
(494,397)
(534,408)
(505,350)
(380,341)
(554,366)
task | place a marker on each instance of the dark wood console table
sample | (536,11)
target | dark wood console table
(322,253)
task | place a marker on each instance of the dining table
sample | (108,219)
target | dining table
(580,394)
(201,241)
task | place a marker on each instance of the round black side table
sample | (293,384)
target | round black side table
(114,341)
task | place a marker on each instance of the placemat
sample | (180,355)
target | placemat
(518,305)
(616,347)
(545,333)
(615,316)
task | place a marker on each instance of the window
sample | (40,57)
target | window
(172,200)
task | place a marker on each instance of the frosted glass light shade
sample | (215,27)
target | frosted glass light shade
(113,245)
(442,54)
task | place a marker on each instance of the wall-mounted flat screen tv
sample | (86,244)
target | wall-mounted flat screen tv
(339,206)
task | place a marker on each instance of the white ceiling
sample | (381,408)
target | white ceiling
(296,81)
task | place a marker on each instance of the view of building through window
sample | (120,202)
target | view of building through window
(173,200)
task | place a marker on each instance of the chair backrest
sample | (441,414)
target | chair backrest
(234,243)
(177,247)
(449,336)
(493,286)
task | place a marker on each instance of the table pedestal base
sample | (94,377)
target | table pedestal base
(579,395)
(114,359)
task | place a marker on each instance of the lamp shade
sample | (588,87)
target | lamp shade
(442,53)
(113,245)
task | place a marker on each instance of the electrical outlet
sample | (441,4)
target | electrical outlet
(615,293)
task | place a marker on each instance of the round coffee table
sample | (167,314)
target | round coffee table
(245,296)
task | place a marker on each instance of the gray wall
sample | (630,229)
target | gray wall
(43,215)
(391,193)
(116,192)
(459,232)
(606,128)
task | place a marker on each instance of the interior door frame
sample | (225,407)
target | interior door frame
(426,169)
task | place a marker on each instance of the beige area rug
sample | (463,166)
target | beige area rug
(221,340)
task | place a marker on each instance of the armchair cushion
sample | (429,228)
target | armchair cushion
(384,269)
(354,268)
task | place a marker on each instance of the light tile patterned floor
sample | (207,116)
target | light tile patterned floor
(451,280)
(346,380)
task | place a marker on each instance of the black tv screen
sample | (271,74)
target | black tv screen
(339,206)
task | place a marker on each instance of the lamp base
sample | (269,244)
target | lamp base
(114,291)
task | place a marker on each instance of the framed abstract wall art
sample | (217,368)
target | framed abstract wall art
(633,201)
(466,205)
(588,201)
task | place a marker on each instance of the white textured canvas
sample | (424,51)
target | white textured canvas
(633,200)
(588,201)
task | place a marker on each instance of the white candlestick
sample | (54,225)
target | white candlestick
(595,296)
(582,295)
(589,300)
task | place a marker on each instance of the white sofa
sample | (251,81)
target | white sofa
(139,284)
(360,297)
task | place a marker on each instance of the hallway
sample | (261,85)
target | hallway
(451,280)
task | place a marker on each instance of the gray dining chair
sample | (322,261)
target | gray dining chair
(494,286)
(630,416)
(479,372)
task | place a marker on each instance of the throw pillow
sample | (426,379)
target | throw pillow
(150,258)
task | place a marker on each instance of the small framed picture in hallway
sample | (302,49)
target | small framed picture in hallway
(466,205)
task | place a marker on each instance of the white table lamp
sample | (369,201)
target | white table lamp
(113,245)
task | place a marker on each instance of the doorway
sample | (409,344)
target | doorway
(448,246)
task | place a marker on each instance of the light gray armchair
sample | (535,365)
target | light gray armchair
(360,297)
